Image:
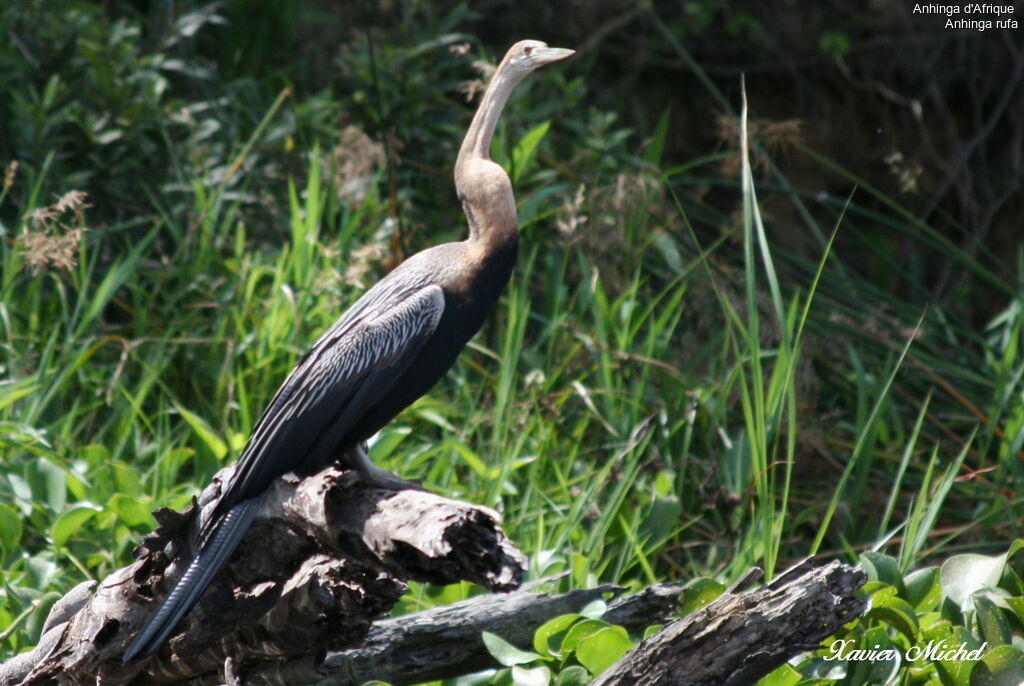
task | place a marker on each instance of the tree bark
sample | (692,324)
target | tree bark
(325,557)
(738,638)
(445,642)
(328,556)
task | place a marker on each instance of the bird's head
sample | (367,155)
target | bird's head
(527,55)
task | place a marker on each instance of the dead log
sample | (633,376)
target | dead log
(324,559)
(327,556)
(739,638)
(736,640)
(445,642)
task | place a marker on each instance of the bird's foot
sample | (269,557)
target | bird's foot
(376,477)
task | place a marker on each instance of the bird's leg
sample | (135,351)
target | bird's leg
(372,475)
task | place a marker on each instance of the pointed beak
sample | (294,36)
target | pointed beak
(546,55)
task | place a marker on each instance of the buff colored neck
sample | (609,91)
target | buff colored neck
(482,185)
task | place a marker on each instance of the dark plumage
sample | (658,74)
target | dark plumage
(386,351)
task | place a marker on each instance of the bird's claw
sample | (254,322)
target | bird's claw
(389,481)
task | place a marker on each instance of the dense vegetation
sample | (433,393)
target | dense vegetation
(708,359)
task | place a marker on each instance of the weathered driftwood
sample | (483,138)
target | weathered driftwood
(445,642)
(326,557)
(739,638)
(803,606)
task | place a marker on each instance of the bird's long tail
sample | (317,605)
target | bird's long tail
(214,554)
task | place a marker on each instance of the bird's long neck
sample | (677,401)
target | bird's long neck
(477,143)
(482,185)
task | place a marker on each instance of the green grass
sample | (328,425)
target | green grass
(663,391)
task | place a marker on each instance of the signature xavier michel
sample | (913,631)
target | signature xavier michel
(844,650)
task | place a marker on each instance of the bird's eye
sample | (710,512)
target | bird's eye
(527,50)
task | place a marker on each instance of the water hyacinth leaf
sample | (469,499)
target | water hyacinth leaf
(595,609)
(550,629)
(699,593)
(524,676)
(881,567)
(941,638)
(962,575)
(783,676)
(888,607)
(506,653)
(579,632)
(601,649)
(1016,604)
(999,666)
(995,629)
(923,590)
(880,661)
(574,675)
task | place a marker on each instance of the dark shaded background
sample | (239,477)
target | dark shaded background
(933,118)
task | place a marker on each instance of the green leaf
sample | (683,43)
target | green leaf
(824,667)
(526,148)
(126,478)
(654,149)
(547,631)
(991,621)
(95,455)
(964,574)
(999,666)
(834,43)
(665,244)
(17,390)
(22,492)
(699,593)
(888,607)
(883,665)
(40,611)
(579,632)
(481,468)
(1017,605)
(595,609)
(652,629)
(114,278)
(49,483)
(881,567)
(942,637)
(506,653)
(783,676)
(213,443)
(661,520)
(131,511)
(574,675)
(538,676)
(599,651)
(11,527)
(386,441)
(70,521)
(922,588)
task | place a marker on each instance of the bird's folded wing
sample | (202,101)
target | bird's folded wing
(354,364)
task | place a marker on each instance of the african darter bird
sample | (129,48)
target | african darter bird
(382,354)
